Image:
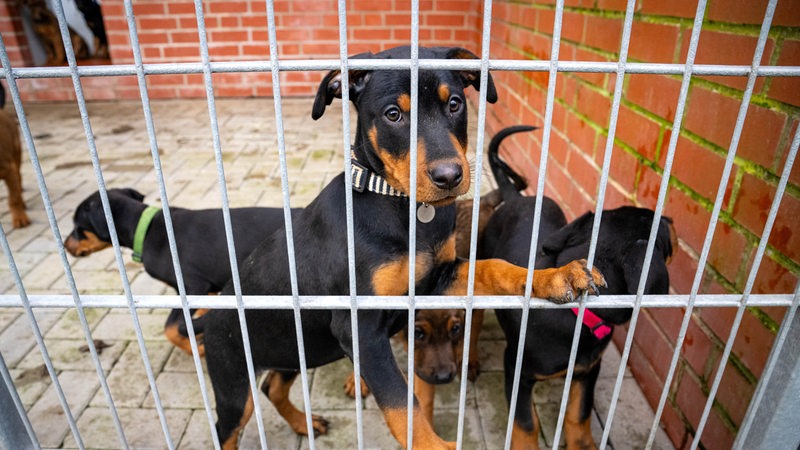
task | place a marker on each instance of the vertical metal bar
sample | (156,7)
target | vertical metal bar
(476,201)
(348,198)
(17,429)
(149,123)
(773,212)
(37,169)
(601,191)
(716,210)
(412,216)
(689,66)
(10,390)
(276,92)
(771,392)
(537,210)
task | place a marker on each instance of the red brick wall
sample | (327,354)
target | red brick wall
(591,32)
(237,31)
(661,31)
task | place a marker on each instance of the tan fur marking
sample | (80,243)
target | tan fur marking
(447,252)
(182,342)
(85,247)
(523,440)
(492,277)
(578,432)
(232,443)
(277,391)
(424,393)
(397,171)
(424,436)
(392,278)
(404,102)
(444,92)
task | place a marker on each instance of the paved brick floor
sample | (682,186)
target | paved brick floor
(247,132)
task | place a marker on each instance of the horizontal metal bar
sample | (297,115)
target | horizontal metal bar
(389,302)
(401,64)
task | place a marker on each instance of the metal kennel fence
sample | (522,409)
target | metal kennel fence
(768,422)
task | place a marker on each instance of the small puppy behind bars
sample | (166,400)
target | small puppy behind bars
(381,179)
(620,252)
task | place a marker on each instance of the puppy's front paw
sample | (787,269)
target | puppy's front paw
(350,387)
(566,283)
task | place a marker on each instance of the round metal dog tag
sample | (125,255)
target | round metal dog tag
(425,213)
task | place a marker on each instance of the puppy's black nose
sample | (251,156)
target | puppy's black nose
(442,377)
(446,176)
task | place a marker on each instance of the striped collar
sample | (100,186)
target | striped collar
(365,179)
(141,231)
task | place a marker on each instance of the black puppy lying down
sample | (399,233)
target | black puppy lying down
(199,236)
(381,220)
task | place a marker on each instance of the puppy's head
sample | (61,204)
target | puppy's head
(438,343)
(383,101)
(90,233)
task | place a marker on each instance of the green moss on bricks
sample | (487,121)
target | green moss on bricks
(768,322)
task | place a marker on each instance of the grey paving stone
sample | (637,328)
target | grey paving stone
(48,417)
(118,325)
(73,354)
(17,339)
(127,380)
(141,427)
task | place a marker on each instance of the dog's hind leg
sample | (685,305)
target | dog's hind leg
(578,423)
(525,433)
(276,387)
(229,378)
(15,202)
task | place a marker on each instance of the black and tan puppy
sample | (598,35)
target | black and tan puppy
(11,163)
(620,253)
(200,240)
(380,213)
(45,25)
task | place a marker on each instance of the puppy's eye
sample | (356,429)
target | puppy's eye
(456,329)
(419,334)
(393,114)
(455,104)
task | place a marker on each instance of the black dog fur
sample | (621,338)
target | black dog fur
(381,145)
(620,253)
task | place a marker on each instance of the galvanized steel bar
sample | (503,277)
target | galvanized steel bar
(17,429)
(287,216)
(773,212)
(769,391)
(48,206)
(601,191)
(149,124)
(692,53)
(392,302)
(476,201)
(545,148)
(403,64)
(412,216)
(348,198)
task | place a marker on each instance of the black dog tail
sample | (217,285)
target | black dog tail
(509,182)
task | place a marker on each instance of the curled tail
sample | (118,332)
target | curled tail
(508,181)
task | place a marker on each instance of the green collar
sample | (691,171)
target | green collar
(141,231)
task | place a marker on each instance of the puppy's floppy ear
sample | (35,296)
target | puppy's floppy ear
(472,78)
(331,86)
(570,235)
